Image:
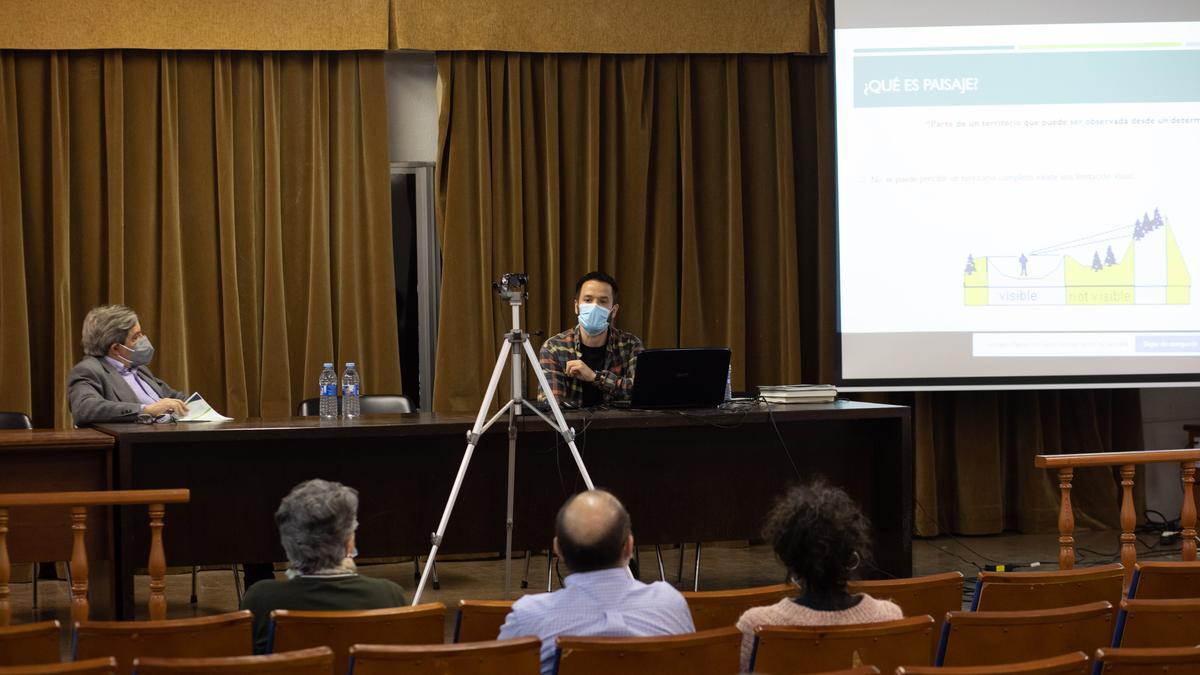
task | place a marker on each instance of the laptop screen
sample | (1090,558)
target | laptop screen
(680,378)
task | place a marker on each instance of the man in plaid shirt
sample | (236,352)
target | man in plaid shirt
(593,362)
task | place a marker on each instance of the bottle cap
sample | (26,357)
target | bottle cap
(349,364)
(328,364)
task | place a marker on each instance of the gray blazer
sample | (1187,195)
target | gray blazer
(97,393)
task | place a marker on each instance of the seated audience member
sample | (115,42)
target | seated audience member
(822,538)
(600,597)
(317,520)
(113,382)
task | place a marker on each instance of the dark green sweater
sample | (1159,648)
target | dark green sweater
(344,592)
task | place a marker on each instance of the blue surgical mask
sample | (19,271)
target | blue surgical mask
(593,318)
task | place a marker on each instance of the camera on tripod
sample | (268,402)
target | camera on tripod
(511,283)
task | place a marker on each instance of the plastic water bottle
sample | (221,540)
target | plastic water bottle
(327,385)
(350,391)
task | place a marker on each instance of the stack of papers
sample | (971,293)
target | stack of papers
(200,411)
(798,393)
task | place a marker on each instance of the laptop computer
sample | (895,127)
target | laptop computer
(680,378)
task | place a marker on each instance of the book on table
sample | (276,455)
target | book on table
(798,393)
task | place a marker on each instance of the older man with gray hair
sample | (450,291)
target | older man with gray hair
(113,382)
(600,597)
(316,521)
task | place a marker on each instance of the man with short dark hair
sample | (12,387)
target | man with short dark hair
(592,362)
(599,597)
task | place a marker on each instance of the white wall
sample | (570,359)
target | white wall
(412,106)
(1164,412)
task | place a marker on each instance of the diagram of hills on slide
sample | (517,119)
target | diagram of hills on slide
(1138,265)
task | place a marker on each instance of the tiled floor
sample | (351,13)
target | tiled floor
(722,566)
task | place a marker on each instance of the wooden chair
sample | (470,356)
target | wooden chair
(1165,580)
(315,661)
(810,649)
(29,643)
(1129,661)
(421,625)
(1067,664)
(220,635)
(864,670)
(931,595)
(989,638)
(1158,623)
(105,666)
(708,652)
(480,620)
(490,657)
(1022,591)
(718,609)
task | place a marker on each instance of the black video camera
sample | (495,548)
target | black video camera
(510,282)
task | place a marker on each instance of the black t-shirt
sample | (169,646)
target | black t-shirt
(594,358)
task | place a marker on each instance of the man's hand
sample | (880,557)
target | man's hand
(166,405)
(579,370)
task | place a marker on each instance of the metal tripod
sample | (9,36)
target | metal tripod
(509,289)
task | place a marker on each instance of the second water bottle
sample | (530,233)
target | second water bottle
(350,392)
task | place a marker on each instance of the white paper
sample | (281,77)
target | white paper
(200,411)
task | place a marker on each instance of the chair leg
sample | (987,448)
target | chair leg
(437,585)
(525,577)
(549,570)
(679,575)
(37,568)
(696,583)
(237,584)
(662,572)
(193,598)
(70,581)
(416,569)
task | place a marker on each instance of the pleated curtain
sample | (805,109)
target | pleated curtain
(238,201)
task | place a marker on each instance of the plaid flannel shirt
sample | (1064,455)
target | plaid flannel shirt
(614,380)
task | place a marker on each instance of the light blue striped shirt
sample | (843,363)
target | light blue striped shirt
(602,603)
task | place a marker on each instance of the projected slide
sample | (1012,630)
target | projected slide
(1018,201)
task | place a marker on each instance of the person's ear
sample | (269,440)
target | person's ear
(612,313)
(627,551)
(557,551)
(577,306)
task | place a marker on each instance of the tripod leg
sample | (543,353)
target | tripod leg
(473,437)
(558,416)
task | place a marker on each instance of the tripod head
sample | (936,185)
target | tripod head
(511,287)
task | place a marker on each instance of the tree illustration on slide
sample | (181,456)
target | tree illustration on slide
(970,264)
(1109,258)
(1096,264)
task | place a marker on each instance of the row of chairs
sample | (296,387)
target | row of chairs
(714,651)
(935,595)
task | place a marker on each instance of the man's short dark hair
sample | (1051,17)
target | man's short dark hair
(604,553)
(598,276)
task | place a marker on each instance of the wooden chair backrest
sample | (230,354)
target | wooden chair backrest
(106,666)
(339,630)
(1076,663)
(315,661)
(1165,580)
(709,652)
(811,649)
(1022,591)
(1132,661)
(718,609)
(480,620)
(1158,623)
(991,638)
(490,657)
(862,670)
(219,635)
(29,643)
(931,595)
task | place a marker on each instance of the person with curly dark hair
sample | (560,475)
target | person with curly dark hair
(823,539)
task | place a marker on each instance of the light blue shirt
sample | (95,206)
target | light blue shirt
(597,604)
(144,392)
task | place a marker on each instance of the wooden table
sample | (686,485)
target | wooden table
(49,460)
(694,476)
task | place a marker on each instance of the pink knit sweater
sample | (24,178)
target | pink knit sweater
(787,612)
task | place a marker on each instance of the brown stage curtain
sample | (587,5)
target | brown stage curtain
(663,170)
(704,183)
(238,201)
